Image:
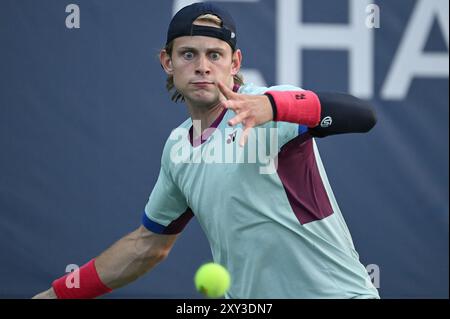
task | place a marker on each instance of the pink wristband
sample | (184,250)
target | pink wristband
(302,107)
(90,285)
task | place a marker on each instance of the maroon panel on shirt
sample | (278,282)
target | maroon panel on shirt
(177,225)
(298,171)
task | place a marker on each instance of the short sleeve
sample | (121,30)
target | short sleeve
(166,211)
(285,132)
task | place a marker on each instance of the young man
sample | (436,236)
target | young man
(280,233)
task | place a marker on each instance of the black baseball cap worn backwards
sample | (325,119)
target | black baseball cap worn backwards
(182,24)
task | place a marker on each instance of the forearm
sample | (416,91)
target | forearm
(129,258)
(122,263)
(343,113)
(324,113)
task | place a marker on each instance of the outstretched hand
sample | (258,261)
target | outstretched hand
(251,110)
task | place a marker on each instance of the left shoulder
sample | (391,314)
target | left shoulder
(259,90)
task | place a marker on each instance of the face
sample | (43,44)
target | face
(197,64)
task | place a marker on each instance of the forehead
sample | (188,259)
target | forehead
(200,43)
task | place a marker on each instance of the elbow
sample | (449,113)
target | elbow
(155,254)
(152,248)
(149,260)
(364,116)
(160,255)
(371,119)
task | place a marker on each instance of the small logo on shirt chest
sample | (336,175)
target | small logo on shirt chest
(231,137)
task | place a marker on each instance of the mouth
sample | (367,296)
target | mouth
(202,83)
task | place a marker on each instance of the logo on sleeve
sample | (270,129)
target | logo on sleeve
(326,122)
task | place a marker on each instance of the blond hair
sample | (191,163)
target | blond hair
(170,86)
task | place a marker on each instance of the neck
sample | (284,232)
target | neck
(205,115)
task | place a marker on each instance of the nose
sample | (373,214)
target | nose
(202,67)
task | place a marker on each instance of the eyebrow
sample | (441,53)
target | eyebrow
(188,48)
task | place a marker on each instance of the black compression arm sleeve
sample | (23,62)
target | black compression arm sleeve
(343,113)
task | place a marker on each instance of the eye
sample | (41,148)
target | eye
(214,56)
(188,55)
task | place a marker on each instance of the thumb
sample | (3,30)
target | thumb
(229,94)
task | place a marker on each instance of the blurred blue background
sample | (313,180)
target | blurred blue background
(84,115)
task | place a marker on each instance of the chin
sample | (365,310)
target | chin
(204,98)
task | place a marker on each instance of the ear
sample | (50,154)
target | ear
(166,62)
(236,62)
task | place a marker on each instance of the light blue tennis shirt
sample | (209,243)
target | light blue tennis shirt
(267,209)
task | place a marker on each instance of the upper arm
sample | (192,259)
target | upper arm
(167,211)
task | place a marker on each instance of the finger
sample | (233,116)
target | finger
(229,94)
(232,105)
(244,137)
(238,119)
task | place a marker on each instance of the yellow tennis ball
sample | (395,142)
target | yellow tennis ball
(212,280)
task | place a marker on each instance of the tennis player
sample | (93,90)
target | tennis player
(280,233)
